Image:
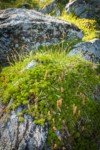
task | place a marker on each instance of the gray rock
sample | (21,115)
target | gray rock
(28,29)
(96,93)
(52,8)
(84,8)
(31,65)
(90,51)
(15,135)
(49,8)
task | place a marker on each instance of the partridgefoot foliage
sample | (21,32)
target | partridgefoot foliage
(58,90)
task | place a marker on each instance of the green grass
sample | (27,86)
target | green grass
(86,25)
(58,90)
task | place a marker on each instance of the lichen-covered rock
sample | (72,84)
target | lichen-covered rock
(28,29)
(84,8)
(55,7)
(25,135)
(96,93)
(90,51)
(49,8)
(30,65)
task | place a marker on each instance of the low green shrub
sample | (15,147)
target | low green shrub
(58,90)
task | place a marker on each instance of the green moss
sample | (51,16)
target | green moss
(21,119)
(59,90)
(40,122)
(19,114)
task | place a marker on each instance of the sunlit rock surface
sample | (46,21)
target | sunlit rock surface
(49,8)
(15,135)
(90,51)
(84,8)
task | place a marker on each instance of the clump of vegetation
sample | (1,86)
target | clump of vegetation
(21,119)
(86,25)
(58,90)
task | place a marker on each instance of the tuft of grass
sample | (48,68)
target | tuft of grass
(86,25)
(58,90)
